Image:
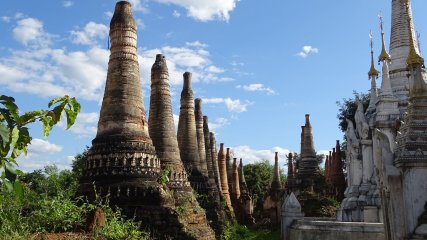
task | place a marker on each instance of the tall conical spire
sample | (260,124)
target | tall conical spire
(290,166)
(236,182)
(373,75)
(200,135)
(242,176)
(215,162)
(372,71)
(115,161)
(308,166)
(208,150)
(223,175)
(162,128)
(414,57)
(187,136)
(276,185)
(384,56)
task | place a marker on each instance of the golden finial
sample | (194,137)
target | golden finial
(384,54)
(372,71)
(414,57)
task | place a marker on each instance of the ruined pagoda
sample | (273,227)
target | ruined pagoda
(272,199)
(122,163)
(187,137)
(162,132)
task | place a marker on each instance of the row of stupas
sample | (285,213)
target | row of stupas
(147,168)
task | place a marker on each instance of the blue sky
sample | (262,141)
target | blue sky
(258,67)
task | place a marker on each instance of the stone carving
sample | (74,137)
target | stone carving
(361,123)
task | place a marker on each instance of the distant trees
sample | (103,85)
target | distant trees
(258,177)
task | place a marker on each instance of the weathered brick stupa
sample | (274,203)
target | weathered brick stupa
(187,138)
(247,203)
(162,131)
(223,175)
(307,175)
(122,164)
(200,135)
(336,174)
(272,200)
(209,164)
(215,162)
(229,165)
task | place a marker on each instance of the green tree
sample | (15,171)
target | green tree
(348,107)
(258,177)
(15,136)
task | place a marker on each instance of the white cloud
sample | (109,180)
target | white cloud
(250,155)
(90,34)
(205,10)
(176,14)
(40,146)
(85,125)
(5,19)
(214,69)
(52,72)
(176,121)
(29,31)
(109,14)
(306,50)
(257,87)
(196,44)
(192,58)
(218,123)
(138,5)
(67,3)
(233,105)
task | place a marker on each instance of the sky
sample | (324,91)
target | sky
(259,68)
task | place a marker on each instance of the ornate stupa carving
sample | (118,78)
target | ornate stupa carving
(200,135)
(122,163)
(187,137)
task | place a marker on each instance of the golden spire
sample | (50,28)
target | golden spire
(372,72)
(384,54)
(414,56)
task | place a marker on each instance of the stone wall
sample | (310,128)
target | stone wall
(316,229)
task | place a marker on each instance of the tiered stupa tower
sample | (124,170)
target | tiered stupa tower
(223,175)
(308,167)
(399,51)
(187,137)
(122,163)
(162,128)
(200,135)
(162,132)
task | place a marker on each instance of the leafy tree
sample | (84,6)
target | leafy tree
(78,162)
(258,177)
(348,107)
(15,137)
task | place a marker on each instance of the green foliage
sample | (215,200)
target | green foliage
(318,205)
(258,177)
(50,206)
(237,232)
(78,162)
(348,107)
(118,228)
(15,137)
(164,175)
